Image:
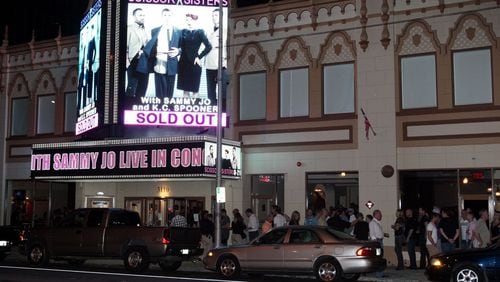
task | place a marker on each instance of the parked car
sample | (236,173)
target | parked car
(113,234)
(330,255)
(466,265)
(10,236)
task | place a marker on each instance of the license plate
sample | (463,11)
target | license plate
(379,251)
(185,251)
(3,243)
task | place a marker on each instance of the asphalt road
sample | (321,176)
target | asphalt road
(15,268)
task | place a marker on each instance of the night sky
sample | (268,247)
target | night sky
(44,16)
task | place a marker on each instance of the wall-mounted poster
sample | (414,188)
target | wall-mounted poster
(171,63)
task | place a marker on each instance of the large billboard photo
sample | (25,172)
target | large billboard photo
(171,63)
(89,69)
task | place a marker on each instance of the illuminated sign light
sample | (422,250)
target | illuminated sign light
(146,160)
(158,118)
(87,124)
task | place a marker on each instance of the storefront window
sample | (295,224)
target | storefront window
(496,189)
(332,189)
(429,188)
(160,211)
(30,201)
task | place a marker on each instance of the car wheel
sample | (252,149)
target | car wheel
(350,277)
(136,259)
(328,270)
(76,262)
(170,266)
(37,255)
(228,267)
(467,273)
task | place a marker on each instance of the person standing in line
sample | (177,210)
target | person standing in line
(268,224)
(448,228)
(137,65)
(411,226)
(279,219)
(495,228)
(432,235)
(377,234)
(464,226)
(163,51)
(471,230)
(178,220)
(225,225)
(423,220)
(310,218)
(361,228)
(212,61)
(238,227)
(399,237)
(253,225)
(190,61)
(322,214)
(483,234)
(295,218)
(207,231)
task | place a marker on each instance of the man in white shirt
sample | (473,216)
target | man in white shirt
(253,225)
(377,234)
(279,219)
(432,235)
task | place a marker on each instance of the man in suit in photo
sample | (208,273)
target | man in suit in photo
(162,52)
(212,61)
(137,38)
(90,60)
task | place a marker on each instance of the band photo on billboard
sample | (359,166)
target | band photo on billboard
(89,69)
(172,61)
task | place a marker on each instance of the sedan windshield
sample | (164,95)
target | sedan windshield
(340,235)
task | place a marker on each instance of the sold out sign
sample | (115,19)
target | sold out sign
(158,118)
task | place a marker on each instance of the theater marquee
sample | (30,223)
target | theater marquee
(134,158)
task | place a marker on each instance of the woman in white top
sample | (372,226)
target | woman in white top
(432,235)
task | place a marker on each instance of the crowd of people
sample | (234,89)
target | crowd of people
(441,231)
(433,232)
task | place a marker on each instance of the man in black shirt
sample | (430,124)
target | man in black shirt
(207,231)
(411,227)
(448,228)
(361,228)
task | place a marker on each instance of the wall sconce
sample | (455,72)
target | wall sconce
(343,174)
(465,180)
(369,205)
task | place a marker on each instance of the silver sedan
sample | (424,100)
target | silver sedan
(322,251)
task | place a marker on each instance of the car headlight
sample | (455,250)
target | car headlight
(436,262)
(210,254)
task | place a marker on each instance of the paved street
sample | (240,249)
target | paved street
(15,268)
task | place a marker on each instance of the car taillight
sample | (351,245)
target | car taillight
(165,241)
(366,252)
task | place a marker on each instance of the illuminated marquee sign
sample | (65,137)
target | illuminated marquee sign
(144,159)
(90,70)
(170,63)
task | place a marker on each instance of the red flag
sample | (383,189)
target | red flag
(368,126)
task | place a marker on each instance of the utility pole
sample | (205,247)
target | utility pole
(219,124)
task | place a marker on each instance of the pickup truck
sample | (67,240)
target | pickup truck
(9,237)
(114,234)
